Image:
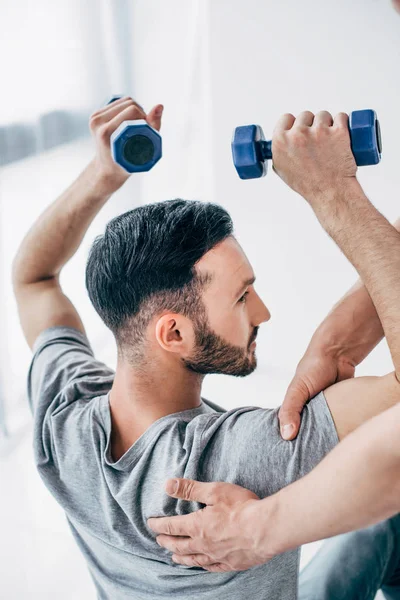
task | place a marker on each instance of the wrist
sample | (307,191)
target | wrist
(323,202)
(104,183)
(262,519)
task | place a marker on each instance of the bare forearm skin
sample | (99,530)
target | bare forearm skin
(372,245)
(56,235)
(352,328)
(354,486)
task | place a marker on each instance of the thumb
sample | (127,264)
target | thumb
(188,489)
(289,423)
(154,117)
(296,397)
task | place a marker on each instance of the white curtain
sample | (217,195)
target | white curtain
(59,61)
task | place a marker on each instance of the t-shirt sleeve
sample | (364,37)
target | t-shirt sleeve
(244,446)
(63,369)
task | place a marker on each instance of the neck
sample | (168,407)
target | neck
(138,400)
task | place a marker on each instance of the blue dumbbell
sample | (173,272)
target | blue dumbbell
(250,149)
(135,145)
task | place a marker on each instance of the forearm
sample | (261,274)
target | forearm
(372,245)
(352,328)
(339,495)
(58,232)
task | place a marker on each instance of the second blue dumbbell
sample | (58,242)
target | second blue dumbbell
(135,145)
(250,149)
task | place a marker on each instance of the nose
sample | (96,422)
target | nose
(263,314)
(267,315)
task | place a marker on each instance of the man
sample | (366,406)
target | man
(176,289)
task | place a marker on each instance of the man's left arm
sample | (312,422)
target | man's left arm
(58,232)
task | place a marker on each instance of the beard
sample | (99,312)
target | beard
(213,355)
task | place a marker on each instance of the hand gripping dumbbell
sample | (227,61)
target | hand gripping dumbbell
(135,145)
(250,149)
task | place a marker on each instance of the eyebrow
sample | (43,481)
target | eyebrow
(244,286)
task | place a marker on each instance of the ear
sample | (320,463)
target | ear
(174,333)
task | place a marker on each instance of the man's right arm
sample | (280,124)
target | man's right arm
(312,154)
(352,327)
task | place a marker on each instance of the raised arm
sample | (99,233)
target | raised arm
(58,232)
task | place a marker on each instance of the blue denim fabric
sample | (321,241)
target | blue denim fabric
(354,566)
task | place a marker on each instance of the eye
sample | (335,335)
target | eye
(242,299)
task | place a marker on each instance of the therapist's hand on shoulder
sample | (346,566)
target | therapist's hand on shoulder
(221,537)
(319,368)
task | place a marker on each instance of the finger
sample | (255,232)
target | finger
(188,489)
(131,113)
(341,121)
(203,561)
(218,568)
(179,525)
(305,119)
(178,545)
(285,122)
(154,117)
(194,560)
(289,423)
(323,118)
(106,114)
(289,415)
(121,101)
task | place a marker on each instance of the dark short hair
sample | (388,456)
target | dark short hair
(144,264)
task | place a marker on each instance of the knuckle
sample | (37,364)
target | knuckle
(168,527)
(103,133)
(299,137)
(196,561)
(187,488)
(187,547)
(135,111)
(215,490)
(95,120)
(94,116)
(341,118)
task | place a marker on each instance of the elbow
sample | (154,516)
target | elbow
(15,274)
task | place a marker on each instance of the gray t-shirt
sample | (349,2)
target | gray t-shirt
(107,503)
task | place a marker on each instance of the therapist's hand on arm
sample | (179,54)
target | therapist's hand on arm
(236,531)
(344,339)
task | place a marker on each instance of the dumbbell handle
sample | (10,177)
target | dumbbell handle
(266,149)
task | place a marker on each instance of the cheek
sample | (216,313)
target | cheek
(231,324)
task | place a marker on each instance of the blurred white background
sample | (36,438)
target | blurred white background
(214,65)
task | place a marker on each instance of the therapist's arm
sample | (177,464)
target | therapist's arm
(356,485)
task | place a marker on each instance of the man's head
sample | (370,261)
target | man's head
(396,4)
(172,283)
